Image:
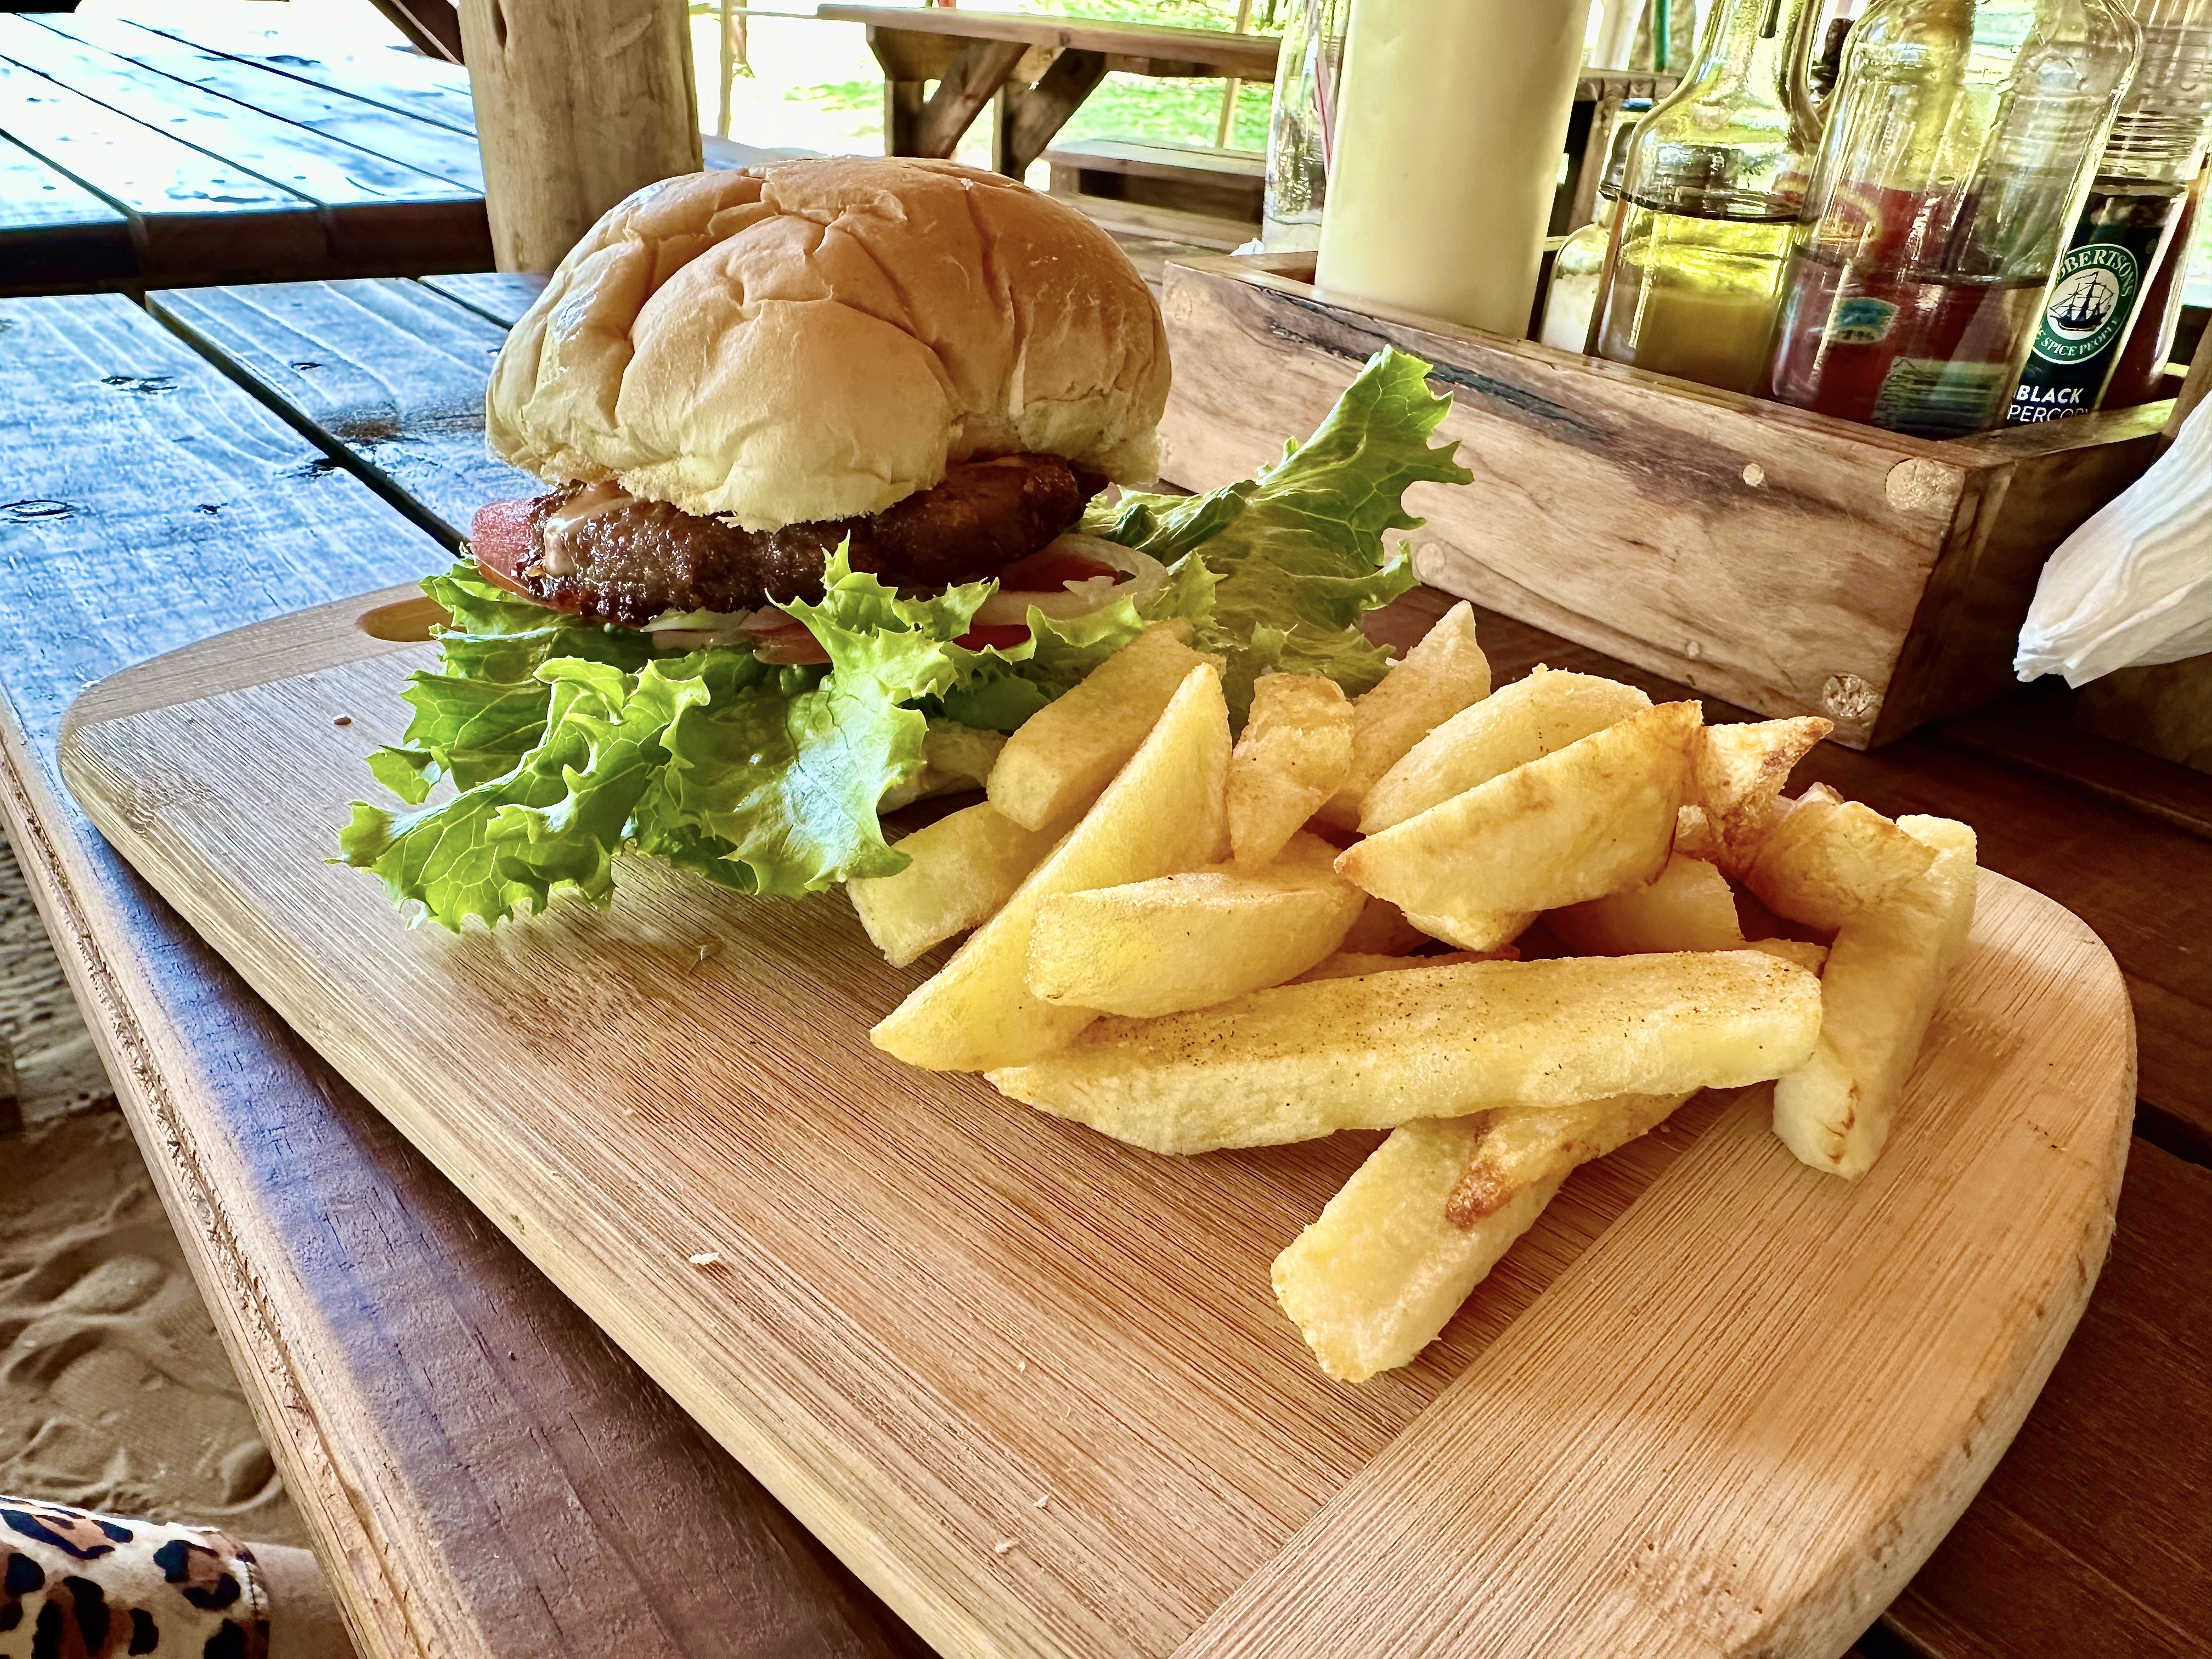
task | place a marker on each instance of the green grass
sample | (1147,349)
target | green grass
(1123,106)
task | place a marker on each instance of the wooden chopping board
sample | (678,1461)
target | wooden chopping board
(1031,1384)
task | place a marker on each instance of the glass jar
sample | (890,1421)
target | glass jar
(1709,207)
(1957,149)
(1579,266)
(2128,223)
(1301,126)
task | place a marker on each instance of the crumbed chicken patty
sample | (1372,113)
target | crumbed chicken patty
(597,553)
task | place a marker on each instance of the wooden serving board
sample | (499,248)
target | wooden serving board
(1031,1384)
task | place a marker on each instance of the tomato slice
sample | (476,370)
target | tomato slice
(1047,572)
(789,642)
(1000,635)
(499,539)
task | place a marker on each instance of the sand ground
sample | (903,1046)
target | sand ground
(115,1392)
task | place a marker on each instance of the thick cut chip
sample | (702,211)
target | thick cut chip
(1878,993)
(1518,723)
(1292,755)
(1809,956)
(1439,677)
(1481,932)
(1590,819)
(1372,1282)
(1189,941)
(1299,1061)
(1162,814)
(1741,771)
(1541,1145)
(964,867)
(1689,908)
(1694,835)
(1065,755)
(1830,860)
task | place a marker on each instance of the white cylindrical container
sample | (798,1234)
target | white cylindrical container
(1450,127)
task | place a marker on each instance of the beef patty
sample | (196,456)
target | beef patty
(629,560)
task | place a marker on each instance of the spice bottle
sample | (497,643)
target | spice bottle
(2128,226)
(1579,266)
(1709,208)
(1957,149)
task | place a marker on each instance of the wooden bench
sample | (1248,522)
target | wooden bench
(1222,184)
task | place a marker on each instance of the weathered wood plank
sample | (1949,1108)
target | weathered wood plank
(485,1475)
(377,215)
(501,295)
(308,50)
(191,214)
(1172,51)
(53,232)
(425,146)
(384,370)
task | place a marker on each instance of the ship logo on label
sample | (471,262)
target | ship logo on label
(2088,304)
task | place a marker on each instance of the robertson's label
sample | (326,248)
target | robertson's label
(2090,301)
(2086,314)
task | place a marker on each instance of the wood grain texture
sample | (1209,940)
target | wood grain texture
(578,103)
(190,214)
(423,146)
(295,46)
(500,295)
(484,1474)
(376,214)
(931,1307)
(53,232)
(2069,1522)
(1864,575)
(386,371)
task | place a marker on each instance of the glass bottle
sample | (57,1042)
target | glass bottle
(1579,264)
(1708,208)
(1302,125)
(2128,223)
(2137,375)
(1956,151)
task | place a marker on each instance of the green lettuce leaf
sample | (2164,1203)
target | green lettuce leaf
(556,745)
(1298,552)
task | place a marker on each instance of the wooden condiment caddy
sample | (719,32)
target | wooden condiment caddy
(1783,561)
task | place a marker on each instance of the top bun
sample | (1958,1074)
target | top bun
(818,339)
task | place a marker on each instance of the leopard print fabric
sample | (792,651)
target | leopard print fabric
(77,1585)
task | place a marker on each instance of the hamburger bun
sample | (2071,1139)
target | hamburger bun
(818,339)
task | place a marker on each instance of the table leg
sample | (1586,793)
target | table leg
(1029,117)
(968,84)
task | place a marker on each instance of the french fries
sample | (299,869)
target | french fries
(1370,1284)
(1831,860)
(1164,813)
(1540,1146)
(1304,1061)
(1439,677)
(964,867)
(1689,908)
(1189,969)
(1065,755)
(1517,724)
(1590,819)
(1293,754)
(1401,1246)
(1741,771)
(1188,941)
(1878,993)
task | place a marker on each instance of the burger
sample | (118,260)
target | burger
(839,457)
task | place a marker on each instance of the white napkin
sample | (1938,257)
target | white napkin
(2133,584)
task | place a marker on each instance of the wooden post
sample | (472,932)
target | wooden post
(579,102)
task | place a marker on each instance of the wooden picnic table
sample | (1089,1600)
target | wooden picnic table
(485,1473)
(188,146)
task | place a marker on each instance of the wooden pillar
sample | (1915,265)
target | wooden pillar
(578,103)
